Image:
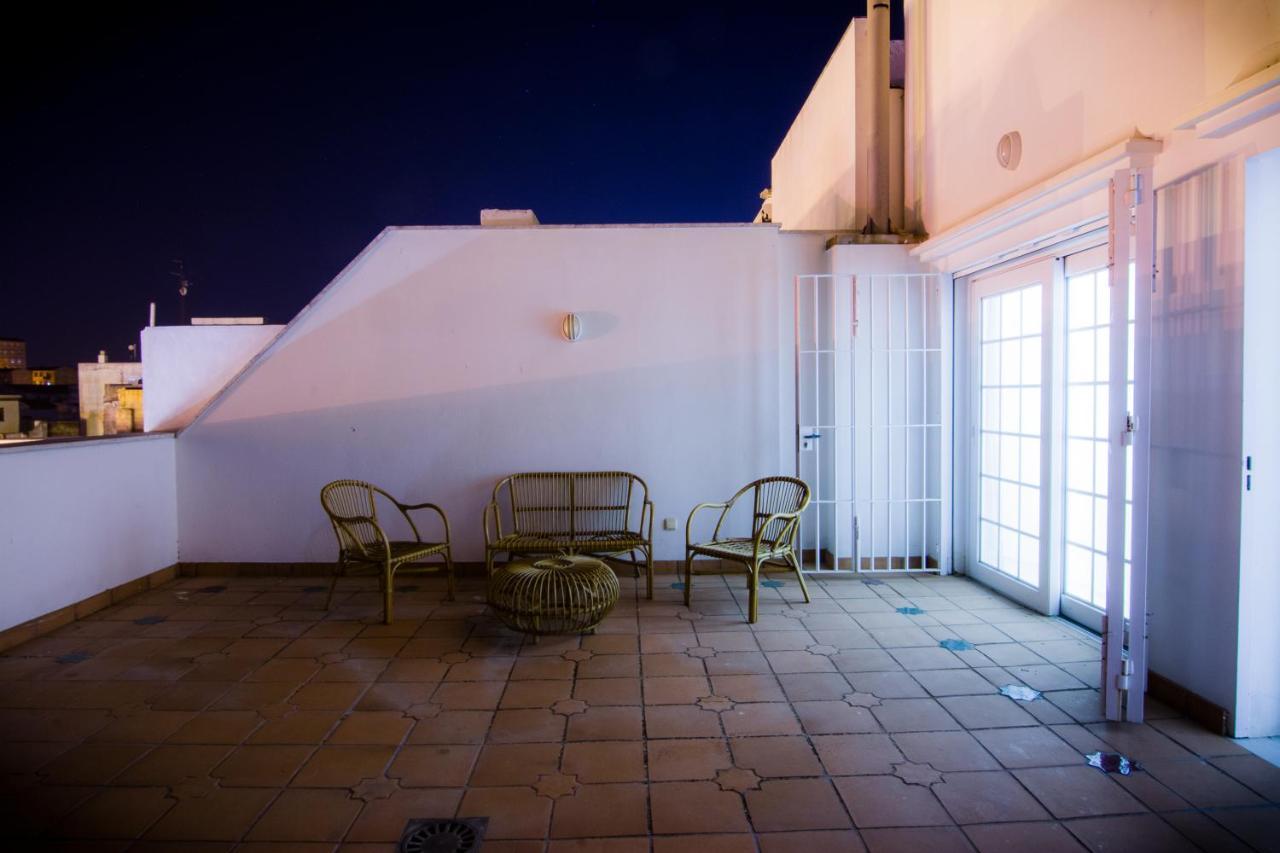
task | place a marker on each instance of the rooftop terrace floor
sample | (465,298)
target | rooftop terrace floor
(236,714)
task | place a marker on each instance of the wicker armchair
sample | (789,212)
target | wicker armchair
(777,503)
(352,507)
(589,513)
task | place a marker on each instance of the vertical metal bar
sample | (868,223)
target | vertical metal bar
(1144,284)
(924,421)
(795,321)
(871,414)
(946,313)
(1116,439)
(835,426)
(853,423)
(817,419)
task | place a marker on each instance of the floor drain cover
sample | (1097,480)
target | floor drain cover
(444,835)
(73,657)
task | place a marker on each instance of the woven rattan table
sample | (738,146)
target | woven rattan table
(554,595)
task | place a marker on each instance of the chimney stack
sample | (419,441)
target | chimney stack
(878,159)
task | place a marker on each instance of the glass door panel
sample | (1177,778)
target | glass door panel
(1086,353)
(1011,338)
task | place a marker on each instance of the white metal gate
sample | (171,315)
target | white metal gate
(873,422)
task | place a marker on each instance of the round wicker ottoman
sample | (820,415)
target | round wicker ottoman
(554,595)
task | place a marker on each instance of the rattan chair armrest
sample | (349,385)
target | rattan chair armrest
(492,506)
(764,525)
(647,509)
(406,508)
(688,524)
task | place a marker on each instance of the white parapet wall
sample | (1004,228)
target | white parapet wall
(79,518)
(185,366)
(435,365)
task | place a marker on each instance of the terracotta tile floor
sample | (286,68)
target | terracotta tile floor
(237,715)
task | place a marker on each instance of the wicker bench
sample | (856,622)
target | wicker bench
(593,513)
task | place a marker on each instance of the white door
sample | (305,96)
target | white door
(1011,316)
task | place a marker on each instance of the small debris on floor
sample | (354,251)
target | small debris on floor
(1021,692)
(1111,762)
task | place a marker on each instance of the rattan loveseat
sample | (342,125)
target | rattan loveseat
(595,513)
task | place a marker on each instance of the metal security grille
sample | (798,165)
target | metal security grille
(872,436)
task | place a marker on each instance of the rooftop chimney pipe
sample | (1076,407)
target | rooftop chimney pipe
(878,161)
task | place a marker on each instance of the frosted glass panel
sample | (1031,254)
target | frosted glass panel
(1010,398)
(1088,348)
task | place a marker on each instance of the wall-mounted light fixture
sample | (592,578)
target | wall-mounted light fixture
(1009,150)
(571,327)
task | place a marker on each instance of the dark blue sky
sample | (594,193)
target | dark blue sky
(267,147)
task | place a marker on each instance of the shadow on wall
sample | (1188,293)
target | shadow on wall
(435,312)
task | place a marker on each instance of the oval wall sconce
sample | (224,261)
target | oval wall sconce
(571,327)
(1009,150)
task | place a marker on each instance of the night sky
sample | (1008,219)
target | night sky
(266,147)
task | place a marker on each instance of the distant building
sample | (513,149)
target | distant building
(110,397)
(10,414)
(43,376)
(13,353)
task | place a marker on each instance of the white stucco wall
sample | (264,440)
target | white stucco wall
(815,168)
(185,366)
(78,518)
(434,366)
(1072,77)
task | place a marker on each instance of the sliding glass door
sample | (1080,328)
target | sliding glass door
(1040,458)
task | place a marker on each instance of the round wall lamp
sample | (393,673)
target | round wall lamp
(571,327)
(1009,150)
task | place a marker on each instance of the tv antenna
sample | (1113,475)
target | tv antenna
(184,286)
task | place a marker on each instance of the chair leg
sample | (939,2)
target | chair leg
(753,594)
(338,571)
(388,590)
(488,563)
(648,569)
(448,569)
(688,579)
(795,564)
